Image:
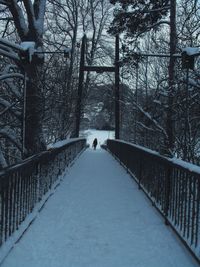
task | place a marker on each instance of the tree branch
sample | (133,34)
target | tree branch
(39,9)
(30,14)
(18,18)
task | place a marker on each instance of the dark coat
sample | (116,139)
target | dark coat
(95,142)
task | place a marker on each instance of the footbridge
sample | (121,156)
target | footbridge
(123,205)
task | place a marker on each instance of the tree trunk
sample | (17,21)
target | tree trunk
(34,138)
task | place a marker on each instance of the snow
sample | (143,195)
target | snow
(101,136)
(145,149)
(98,218)
(30,47)
(189,166)
(89,134)
(8,246)
(157,102)
(191,51)
(27,45)
(40,18)
(62,143)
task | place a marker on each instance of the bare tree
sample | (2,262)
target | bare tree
(28,19)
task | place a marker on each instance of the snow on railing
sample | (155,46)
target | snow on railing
(25,187)
(172,185)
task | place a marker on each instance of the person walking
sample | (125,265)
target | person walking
(95,142)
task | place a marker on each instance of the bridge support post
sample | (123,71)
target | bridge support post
(117,107)
(98,69)
(80,88)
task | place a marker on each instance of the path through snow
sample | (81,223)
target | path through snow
(98,218)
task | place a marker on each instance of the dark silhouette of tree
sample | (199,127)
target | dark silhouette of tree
(137,16)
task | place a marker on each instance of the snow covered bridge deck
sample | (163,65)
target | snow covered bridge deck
(98,218)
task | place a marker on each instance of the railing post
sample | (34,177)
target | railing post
(140,173)
(2,211)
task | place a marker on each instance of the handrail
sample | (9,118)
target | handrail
(24,185)
(173,187)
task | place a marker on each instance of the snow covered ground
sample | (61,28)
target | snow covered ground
(98,218)
(101,136)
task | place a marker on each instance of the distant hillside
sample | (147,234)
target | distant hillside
(100,106)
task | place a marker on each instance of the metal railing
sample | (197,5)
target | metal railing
(22,186)
(172,186)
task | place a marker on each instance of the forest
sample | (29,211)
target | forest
(40,43)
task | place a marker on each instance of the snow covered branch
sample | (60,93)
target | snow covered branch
(157,9)
(159,23)
(154,122)
(11,45)
(13,56)
(3,163)
(30,13)
(40,8)
(11,75)
(145,127)
(8,108)
(18,18)
(3,2)
(8,133)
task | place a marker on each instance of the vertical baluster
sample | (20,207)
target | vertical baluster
(32,182)
(194,212)
(42,179)
(11,204)
(167,192)
(185,204)
(28,194)
(17,212)
(179,198)
(46,177)
(52,171)
(162,187)
(6,213)
(172,195)
(176,197)
(1,210)
(37,176)
(23,195)
(171,211)
(36,173)
(32,174)
(197,210)
(14,201)
(182,199)
(20,198)
(189,207)
(159,183)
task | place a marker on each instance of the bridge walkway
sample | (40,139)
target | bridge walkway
(97,217)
